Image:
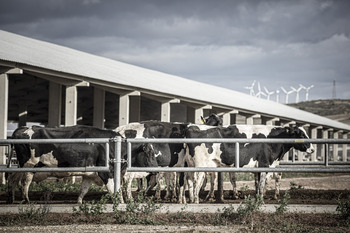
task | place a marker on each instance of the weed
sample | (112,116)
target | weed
(294,186)
(283,203)
(137,211)
(31,212)
(93,209)
(248,210)
(343,208)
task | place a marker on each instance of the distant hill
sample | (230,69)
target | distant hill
(335,109)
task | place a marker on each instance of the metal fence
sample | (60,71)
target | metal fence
(326,166)
(106,168)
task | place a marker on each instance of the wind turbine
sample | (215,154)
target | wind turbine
(297,91)
(251,89)
(287,93)
(259,91)
(307,89)
(269,93)
(277,96)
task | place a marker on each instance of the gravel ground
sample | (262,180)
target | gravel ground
(122,228)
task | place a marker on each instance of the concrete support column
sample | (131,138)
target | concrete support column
(272,121)
(345,148)
(226,118)
(199,112)
(99,108)
(250,120)
(323,148)
(314,136)
(124,106)
(71,106)
(165,112)
(4,91)
(55,104)
(336,146)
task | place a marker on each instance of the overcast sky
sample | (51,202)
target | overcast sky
(224,43)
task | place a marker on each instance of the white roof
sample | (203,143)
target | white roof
(27,51)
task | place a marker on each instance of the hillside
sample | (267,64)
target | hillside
(335,109)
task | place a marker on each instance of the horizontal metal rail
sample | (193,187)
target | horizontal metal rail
(105,141)
(234,140)
(329,168)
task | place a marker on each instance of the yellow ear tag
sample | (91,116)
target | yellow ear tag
(287,130)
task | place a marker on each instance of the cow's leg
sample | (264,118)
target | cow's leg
(139,184)
(160,175)
(213,178)
(257,179)
(190,181)
(198,185)
(14,179)
(84,188)
(234,185)
(278,177)
(181,198)
(262,182)
(26,181)
(173,182)
(168,176)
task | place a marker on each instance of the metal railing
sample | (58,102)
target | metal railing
(331,167)
(106,168)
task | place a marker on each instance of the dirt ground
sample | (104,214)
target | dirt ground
(310,190)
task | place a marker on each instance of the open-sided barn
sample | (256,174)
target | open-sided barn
(55,85)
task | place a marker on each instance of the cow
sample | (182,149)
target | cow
(223,154)
(168,155)
(165,154)
(66,155)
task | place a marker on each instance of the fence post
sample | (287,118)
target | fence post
(237,155)
(117,164)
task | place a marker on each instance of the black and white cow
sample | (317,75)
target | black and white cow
(223,154)
(66,155)
(167,155)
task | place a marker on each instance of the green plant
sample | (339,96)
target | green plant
(138,211)
(294,186)
(343,208)
(93,209)
(250,207)
(283,203)
(31,211)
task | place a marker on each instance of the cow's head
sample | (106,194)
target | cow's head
(144,156)
(299,132)
(212,120)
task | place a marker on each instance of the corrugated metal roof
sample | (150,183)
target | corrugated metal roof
(27,51)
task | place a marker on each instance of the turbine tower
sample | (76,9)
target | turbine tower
(287,93)
(260,93)
(277,96)
(307,89)
(297,91)
(269,93)
(251,89)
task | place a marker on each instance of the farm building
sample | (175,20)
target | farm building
(52,85)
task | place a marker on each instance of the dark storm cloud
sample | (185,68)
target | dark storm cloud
(225,43)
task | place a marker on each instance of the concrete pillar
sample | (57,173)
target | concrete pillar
(199,112)
(250,119)
(99,108)
(272,121)
(71,106)
(323,148)
(55,104)
(227,117)
(166,109)
(345,148)
(4,91)
(124,106)
(335,146)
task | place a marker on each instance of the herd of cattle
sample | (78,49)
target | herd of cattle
(152,155)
